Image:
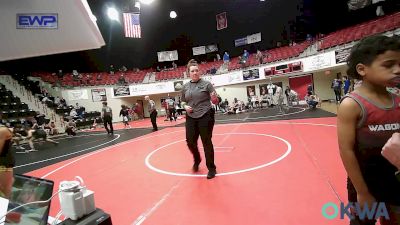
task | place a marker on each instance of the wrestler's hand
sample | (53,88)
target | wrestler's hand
(188,109)
(391,150)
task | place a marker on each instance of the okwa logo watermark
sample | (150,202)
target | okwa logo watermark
(378,209)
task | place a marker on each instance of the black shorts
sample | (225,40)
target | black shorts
(387,191)
(39,134)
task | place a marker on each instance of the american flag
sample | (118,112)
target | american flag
(132,25)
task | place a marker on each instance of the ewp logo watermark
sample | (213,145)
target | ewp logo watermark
(37,21)
(378,209)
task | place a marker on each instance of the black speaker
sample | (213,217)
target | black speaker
(98,217)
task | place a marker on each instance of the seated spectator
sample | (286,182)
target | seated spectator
(60,74)
(122,80)
(53,129)
(88,78)
(94,125)
(45,99)
(70,129)
(73,113)
(63,102)
(47,128)
(123,69)
(312,100)
(57,100)
(75,75)
(234,107)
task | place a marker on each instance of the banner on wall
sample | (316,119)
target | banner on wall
(99,95)
(318,62)
(235,77)
(211,48)
(121,91)
(252,74)
(75,95)
(201,50)
(154,88)
(249,39)
(342,55)
(222,21)
(219,80)
(167,56)
(254,38)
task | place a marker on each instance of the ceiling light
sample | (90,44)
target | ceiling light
(172,14)
(147,2)
(137,5)
(113,14)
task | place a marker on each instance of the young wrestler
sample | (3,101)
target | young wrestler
(367,118)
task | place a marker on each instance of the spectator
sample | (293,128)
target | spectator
(139,111)
(73,113)
(71,128)
(112,69)
(60,74)
(312,100)
(152,111)
(337,88)
(53,128)
(260,57)
(245,56)
(346,85)
(226,57)
(122,80)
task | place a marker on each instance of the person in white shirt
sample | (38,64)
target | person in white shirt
(278,98)
(73,113)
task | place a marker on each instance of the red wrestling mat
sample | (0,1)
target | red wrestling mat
(279,172)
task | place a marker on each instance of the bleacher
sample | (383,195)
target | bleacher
(354,33)
(178,73)
(272,55)
(12,110)
(170,74)
(86,120)
(95,79)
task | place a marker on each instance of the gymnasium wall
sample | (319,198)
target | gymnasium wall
(322,85)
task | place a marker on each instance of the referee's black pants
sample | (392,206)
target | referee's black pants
(108,120)
(202,127)
(153,118)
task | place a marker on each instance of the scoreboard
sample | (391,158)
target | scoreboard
(284,69)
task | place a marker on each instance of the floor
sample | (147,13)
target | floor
(273,168)
(330,107)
